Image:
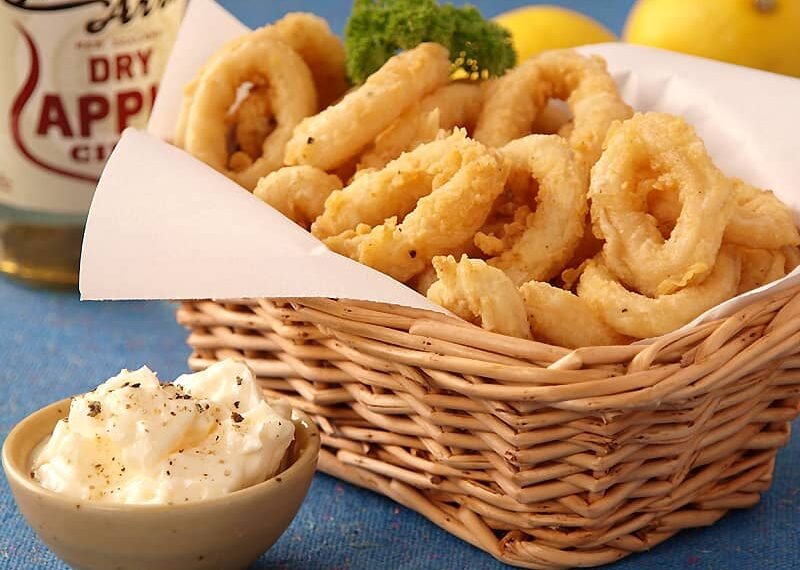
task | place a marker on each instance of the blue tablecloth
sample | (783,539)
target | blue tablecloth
(52,346)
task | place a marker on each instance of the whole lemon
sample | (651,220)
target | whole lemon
(756,33)
(539,28)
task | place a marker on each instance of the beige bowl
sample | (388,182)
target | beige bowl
(225,533)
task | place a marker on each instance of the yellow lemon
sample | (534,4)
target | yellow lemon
(756,33)
(539,28)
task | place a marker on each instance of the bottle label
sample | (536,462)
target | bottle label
(76,73)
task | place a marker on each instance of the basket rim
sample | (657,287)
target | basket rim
(427,316)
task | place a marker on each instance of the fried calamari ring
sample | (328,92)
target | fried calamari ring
(298,192)
(551,233)
(479,293)
(252,122)
(759,219)
(422,281)
(308,35)
(514,101)
(639,316)
(658,150)
(405,134)
(559,317)
(239,160)
(500,232)
(588,248)
(322,50)
(457,105)
(760,266)
(792,255)
(265,62)
(553,119)
(332,137)
(445,190)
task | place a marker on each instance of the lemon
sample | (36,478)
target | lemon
(756,33)
(539,28)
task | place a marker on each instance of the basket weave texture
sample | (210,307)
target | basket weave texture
(544,457)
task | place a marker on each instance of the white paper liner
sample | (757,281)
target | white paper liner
(166,226)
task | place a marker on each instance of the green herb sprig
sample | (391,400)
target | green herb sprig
(378,29)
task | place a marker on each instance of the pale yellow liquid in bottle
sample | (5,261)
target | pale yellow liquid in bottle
(40,249)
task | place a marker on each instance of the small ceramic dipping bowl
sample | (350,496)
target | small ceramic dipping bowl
(224,533)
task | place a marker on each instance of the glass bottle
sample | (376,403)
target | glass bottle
(73,75)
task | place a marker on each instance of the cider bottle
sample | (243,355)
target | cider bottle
(73,75)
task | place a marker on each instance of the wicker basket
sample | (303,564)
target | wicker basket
(542,456)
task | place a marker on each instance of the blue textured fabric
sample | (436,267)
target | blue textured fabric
(52,346)
(611,13)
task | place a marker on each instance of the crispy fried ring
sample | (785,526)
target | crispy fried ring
(639,316)
(554,230)
(292,96)
(423,280)
(478,292)
(445,190)
(564,319)
(792,255)
(514,101)
(760,266)
(405,134)
(330,138)
(322,50)
(662,150)
(759,220)
(308,35)
(554,119)
(298,192)
(457,105)
(588,248)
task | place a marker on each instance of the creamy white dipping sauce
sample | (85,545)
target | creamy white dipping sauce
(135,440)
